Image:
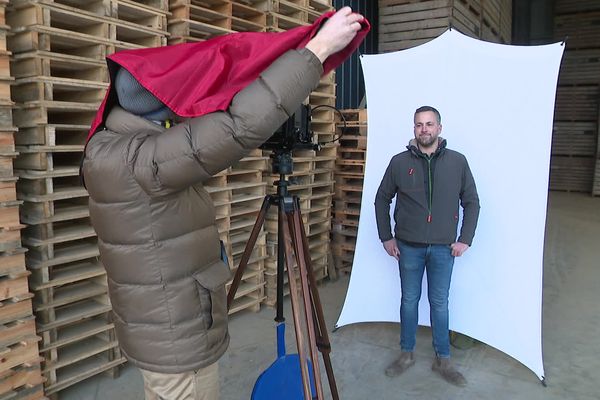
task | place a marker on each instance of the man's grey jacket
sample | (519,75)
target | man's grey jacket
(156,222)
(428,192)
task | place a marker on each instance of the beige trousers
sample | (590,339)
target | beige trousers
(200,385)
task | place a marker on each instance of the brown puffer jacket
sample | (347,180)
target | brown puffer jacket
(156,222)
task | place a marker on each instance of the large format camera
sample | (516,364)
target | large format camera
(295,133)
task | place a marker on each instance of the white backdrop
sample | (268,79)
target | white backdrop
(497,106)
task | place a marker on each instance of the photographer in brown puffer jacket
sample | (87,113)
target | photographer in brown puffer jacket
(156,222)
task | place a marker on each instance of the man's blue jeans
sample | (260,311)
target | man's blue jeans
(438,261)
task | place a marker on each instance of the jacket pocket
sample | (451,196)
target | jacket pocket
(211,291)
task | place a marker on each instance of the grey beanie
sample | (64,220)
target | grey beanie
(136,99)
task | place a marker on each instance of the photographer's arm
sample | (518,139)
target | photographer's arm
(198,148)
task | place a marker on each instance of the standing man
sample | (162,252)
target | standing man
(429,181)
(154,218)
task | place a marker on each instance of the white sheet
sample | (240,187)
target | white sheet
(497,106)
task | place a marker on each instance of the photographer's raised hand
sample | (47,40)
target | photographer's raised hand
(337,32)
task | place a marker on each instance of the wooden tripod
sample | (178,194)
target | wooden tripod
(292,245)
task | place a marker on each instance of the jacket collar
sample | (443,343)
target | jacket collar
(124,122)
(414,148)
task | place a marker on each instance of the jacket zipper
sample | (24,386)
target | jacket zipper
(428,158)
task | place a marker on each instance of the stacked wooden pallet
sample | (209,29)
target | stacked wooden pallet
(409,23)
(20,375)
(575,165)
(349,179)
(198,20)
(59,64)
(312,179)
(283,15)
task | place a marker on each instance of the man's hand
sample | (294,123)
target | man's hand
(458,249)
(392,248)
(336,33)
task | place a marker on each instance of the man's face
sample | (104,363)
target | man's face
(426,128)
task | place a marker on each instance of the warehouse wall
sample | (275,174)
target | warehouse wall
(349,78)
(533,21)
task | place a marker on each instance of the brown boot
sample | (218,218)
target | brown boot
(447,371)
(404,362)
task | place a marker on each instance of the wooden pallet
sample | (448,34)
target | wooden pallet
(286,14)
(574,139)
(577,103)
(349,206)
(350,180)
(574,174)
(23,382)
(580,67)
(349,185)
(57,25)
(250,293)
(348,141)
(319,272)
(596,184)
(20,376)
(343,258)
(582,30)
(405,24)
(574,145)
(575,6)
(143,13)
(201,20)
(352,154)
(353,117)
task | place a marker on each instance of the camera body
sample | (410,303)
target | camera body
(295,133)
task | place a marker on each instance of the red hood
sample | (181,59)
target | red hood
(194,79)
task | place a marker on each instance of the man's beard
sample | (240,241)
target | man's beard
(426,140)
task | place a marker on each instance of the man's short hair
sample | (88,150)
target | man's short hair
(433,110)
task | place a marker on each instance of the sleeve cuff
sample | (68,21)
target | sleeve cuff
(312,59)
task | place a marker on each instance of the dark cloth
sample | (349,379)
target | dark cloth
(422,218)
(155,220)
(195,79)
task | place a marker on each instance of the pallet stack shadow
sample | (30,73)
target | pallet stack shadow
(409,23)
(349,180)
(575,164)
(58,62)
(20,375)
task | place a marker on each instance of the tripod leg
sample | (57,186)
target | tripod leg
(301,259)
(323,342)
(295,309)
(260,220)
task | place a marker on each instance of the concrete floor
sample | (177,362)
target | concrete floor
(571,337)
